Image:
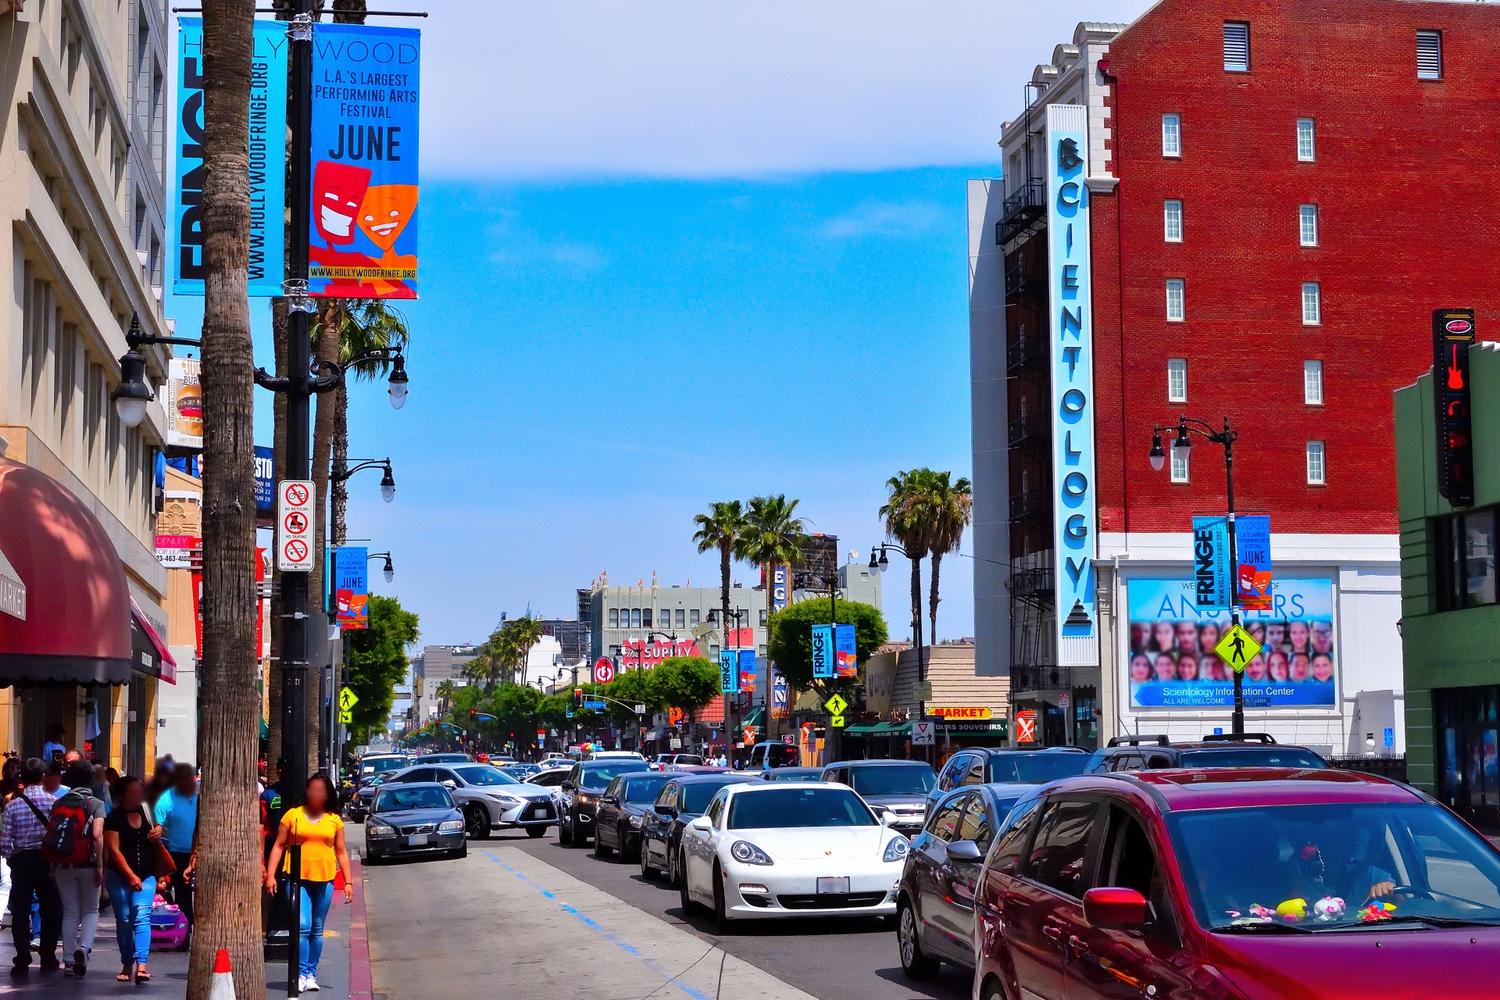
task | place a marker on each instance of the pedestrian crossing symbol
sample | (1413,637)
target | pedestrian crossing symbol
(836,705)
(347,700)
(1237,648)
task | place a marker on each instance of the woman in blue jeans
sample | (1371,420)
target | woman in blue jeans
(319,831)
(130,848)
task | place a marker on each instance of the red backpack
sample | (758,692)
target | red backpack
(68,840)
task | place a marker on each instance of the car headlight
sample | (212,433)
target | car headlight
(451,826)
(636,821)
(747,853)
(896,849)
(584,798)
(380,829)
(509,800)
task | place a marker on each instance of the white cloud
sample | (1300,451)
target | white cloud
(687,88)
(893,219)
(518,247)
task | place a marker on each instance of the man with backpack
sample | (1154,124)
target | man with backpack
(74,847)
(23,829)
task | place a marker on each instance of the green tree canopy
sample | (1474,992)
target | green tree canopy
(790,643)
(685,682)
(377,662)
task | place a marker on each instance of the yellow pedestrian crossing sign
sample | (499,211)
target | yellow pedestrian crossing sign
(1237,648)
(346,718)
(836,705)
(837,722)
(347,700)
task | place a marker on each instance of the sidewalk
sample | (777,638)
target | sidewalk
(346,961)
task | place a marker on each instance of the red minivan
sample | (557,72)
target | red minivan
(1237,884)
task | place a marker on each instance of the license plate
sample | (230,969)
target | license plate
(418,839)
(828,885)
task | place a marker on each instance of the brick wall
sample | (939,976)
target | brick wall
(1406,189)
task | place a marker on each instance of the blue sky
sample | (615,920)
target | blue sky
(674,254)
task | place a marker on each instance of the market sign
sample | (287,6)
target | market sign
(1071,333)
(961,713)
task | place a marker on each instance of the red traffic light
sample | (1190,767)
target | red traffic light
(473,713)
(578,694)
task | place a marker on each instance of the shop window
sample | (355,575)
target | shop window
(1466,560)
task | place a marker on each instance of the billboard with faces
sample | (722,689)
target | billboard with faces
(1170,662)
(362,241)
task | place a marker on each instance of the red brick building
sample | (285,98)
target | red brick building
(1276,195)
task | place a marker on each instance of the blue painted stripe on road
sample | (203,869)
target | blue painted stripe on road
(651,964)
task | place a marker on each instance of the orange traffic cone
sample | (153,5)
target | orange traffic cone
(222,987)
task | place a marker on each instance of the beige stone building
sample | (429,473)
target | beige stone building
(83,108)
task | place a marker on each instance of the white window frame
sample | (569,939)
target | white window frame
(1172,220)
(1308,224)
(1307,140)
(1177,287)
(1171,136)
(1435,38)
(1231,29)
(1312,382)
(1317,464)
(1177,380)
(1180,461)
(1312,303)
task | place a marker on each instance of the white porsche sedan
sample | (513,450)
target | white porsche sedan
(790,849)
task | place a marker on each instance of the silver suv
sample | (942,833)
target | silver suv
(488,797)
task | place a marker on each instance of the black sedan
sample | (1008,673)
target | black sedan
(363,796)
(581,790)
(622,810)
(681,800)
(414,819)
(935,901)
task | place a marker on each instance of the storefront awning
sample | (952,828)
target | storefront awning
(149,652)
(754,717)
(863,728)
(894,729)
(76,628)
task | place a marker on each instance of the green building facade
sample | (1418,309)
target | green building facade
(1450,628)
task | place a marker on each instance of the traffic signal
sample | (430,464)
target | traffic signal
(473,713)
(578,695)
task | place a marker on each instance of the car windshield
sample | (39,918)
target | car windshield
(483,774)
(696,795)
(598,775)
(795,774)
(1036,768)
(644,789)
(1270,756)
(443,758)
(689,758)
(396,798)
(379,764)
(893,779)
(1338,865)
(779,808)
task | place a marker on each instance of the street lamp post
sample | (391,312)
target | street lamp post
(1225,438)
(387,481)
(882,563)
(336,729)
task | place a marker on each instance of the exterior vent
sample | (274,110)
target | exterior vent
(1237,46)
(1429,55)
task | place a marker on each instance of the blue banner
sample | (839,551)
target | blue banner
(779,692)
(265,482)
(845,653)
(1252,542)
(1170,655)
(729,673)
(363,224)
(351,586)
(1211,563)
(747,670)
(267,159)
(823,663)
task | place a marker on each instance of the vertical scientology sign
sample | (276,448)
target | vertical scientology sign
(1072,332)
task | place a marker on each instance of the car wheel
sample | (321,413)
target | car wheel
(993,991)
(600,851)
(535,831)
(477,822)
(625,848)
(564,832)
(647,872)
(721,916)
(914,962)
(682,888)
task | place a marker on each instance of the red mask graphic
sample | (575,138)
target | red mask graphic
(338,190)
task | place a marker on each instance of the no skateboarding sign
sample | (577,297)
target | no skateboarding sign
(294,526)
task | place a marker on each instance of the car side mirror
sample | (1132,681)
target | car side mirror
(702,824)
(666,811)
(965,851)
(450,784)
(1115,908)
(610,800)
(887,818)
(567,786)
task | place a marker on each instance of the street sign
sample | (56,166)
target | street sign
(604,670)
(1237,648)
(347,700)
(1390,737)
(346,718)
(788,739)
(593,704)
(674,716)
(837,722)
(836,705)
(640,709)
(1064,700)
(294,521)
(749,734)
(923,734)
(1026,725)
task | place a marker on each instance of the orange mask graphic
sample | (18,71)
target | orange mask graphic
(385,211)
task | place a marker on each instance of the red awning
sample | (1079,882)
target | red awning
(75,622)
(149,651)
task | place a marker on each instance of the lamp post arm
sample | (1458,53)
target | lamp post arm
(369,463)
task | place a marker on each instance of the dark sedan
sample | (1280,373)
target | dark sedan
(581,790)
(364,795)
(414,819)
(793,774)
(622,810)
(681,800)
(935,897)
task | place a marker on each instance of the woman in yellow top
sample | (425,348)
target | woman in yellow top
(320,833)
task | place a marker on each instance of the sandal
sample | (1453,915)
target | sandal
(142,975)
(124,976)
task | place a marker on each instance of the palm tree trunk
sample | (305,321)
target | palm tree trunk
(932,598)
(916,598)
(228,911)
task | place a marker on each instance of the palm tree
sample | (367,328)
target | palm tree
(952,508)
(228,914)
(721,528)
(774,537)
(517,638)
(444,692)
(907,520)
